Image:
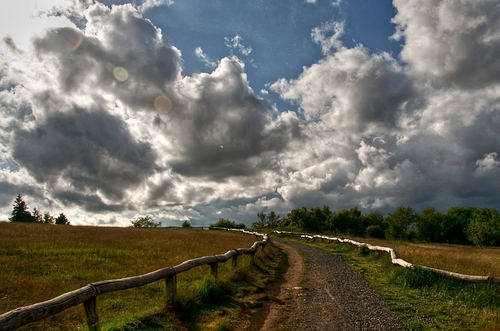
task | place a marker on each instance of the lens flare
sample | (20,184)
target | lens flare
(163,104)
(110,66)
(73,40)
(121,74)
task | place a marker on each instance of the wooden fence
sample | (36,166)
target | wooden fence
(87,295)
(394,258)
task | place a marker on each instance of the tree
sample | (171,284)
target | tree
(430,225)
(373,218)
(37,217)
(339,222)
(375,231)
(145,222)
(48,219)
(456,221)
(20,212)
(308,221)
(62,220)
(484,229)
(186,224)
(224,223)
(273,219)
(401,223)
(261,222)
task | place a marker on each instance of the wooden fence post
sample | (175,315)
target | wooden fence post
(91,313)
(214,269)
(171,283)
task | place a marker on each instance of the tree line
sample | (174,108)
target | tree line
(458,225)
(21,213)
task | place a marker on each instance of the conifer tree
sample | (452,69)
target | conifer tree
(37,217)
(62,220)
(47,218)
(20,212)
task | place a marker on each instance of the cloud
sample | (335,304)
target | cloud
(327,35)
(352,89)
(150,4)
(100,120)
(236,43)
(456,43)
(382,132)
(204,58)
(486,165)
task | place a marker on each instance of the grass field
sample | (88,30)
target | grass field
(39,262)
(424,300)
(469,260)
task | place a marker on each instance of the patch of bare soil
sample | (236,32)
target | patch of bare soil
(270,312)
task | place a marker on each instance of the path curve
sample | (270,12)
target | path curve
(332,297)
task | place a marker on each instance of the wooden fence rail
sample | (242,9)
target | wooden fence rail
(394,258)
(87,295)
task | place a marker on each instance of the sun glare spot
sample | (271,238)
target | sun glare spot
(73,41)
(121,74)
(110,67)
(163,104)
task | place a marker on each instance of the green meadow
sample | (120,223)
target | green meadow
(39,262)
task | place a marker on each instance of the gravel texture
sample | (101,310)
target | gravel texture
(334,297)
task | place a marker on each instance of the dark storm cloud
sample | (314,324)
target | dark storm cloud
(87,130)
(89,202)
(226,129)
(90,149)
(123,41)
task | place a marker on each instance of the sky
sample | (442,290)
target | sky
(199,110)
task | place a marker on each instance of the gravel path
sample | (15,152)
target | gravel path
(334,297)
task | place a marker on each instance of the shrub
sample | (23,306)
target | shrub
(375,231)
(145,222)
(223,223)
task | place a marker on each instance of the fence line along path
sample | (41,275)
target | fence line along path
(87,295)
(395,260)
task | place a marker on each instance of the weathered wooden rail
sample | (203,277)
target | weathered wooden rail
(395,260)
(87,295)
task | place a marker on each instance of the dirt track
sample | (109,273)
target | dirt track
(330,296)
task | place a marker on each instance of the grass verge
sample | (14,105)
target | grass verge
(216,304)
(39,262)
(423,299)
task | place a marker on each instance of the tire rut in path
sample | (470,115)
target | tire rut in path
(336,298)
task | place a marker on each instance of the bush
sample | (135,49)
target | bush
(375,231)
(223,223)
(144,222)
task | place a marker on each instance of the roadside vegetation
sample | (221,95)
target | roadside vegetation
(40,261)
(423,299)
(459,225)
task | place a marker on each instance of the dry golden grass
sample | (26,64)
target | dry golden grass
(469,260)
(39,262)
